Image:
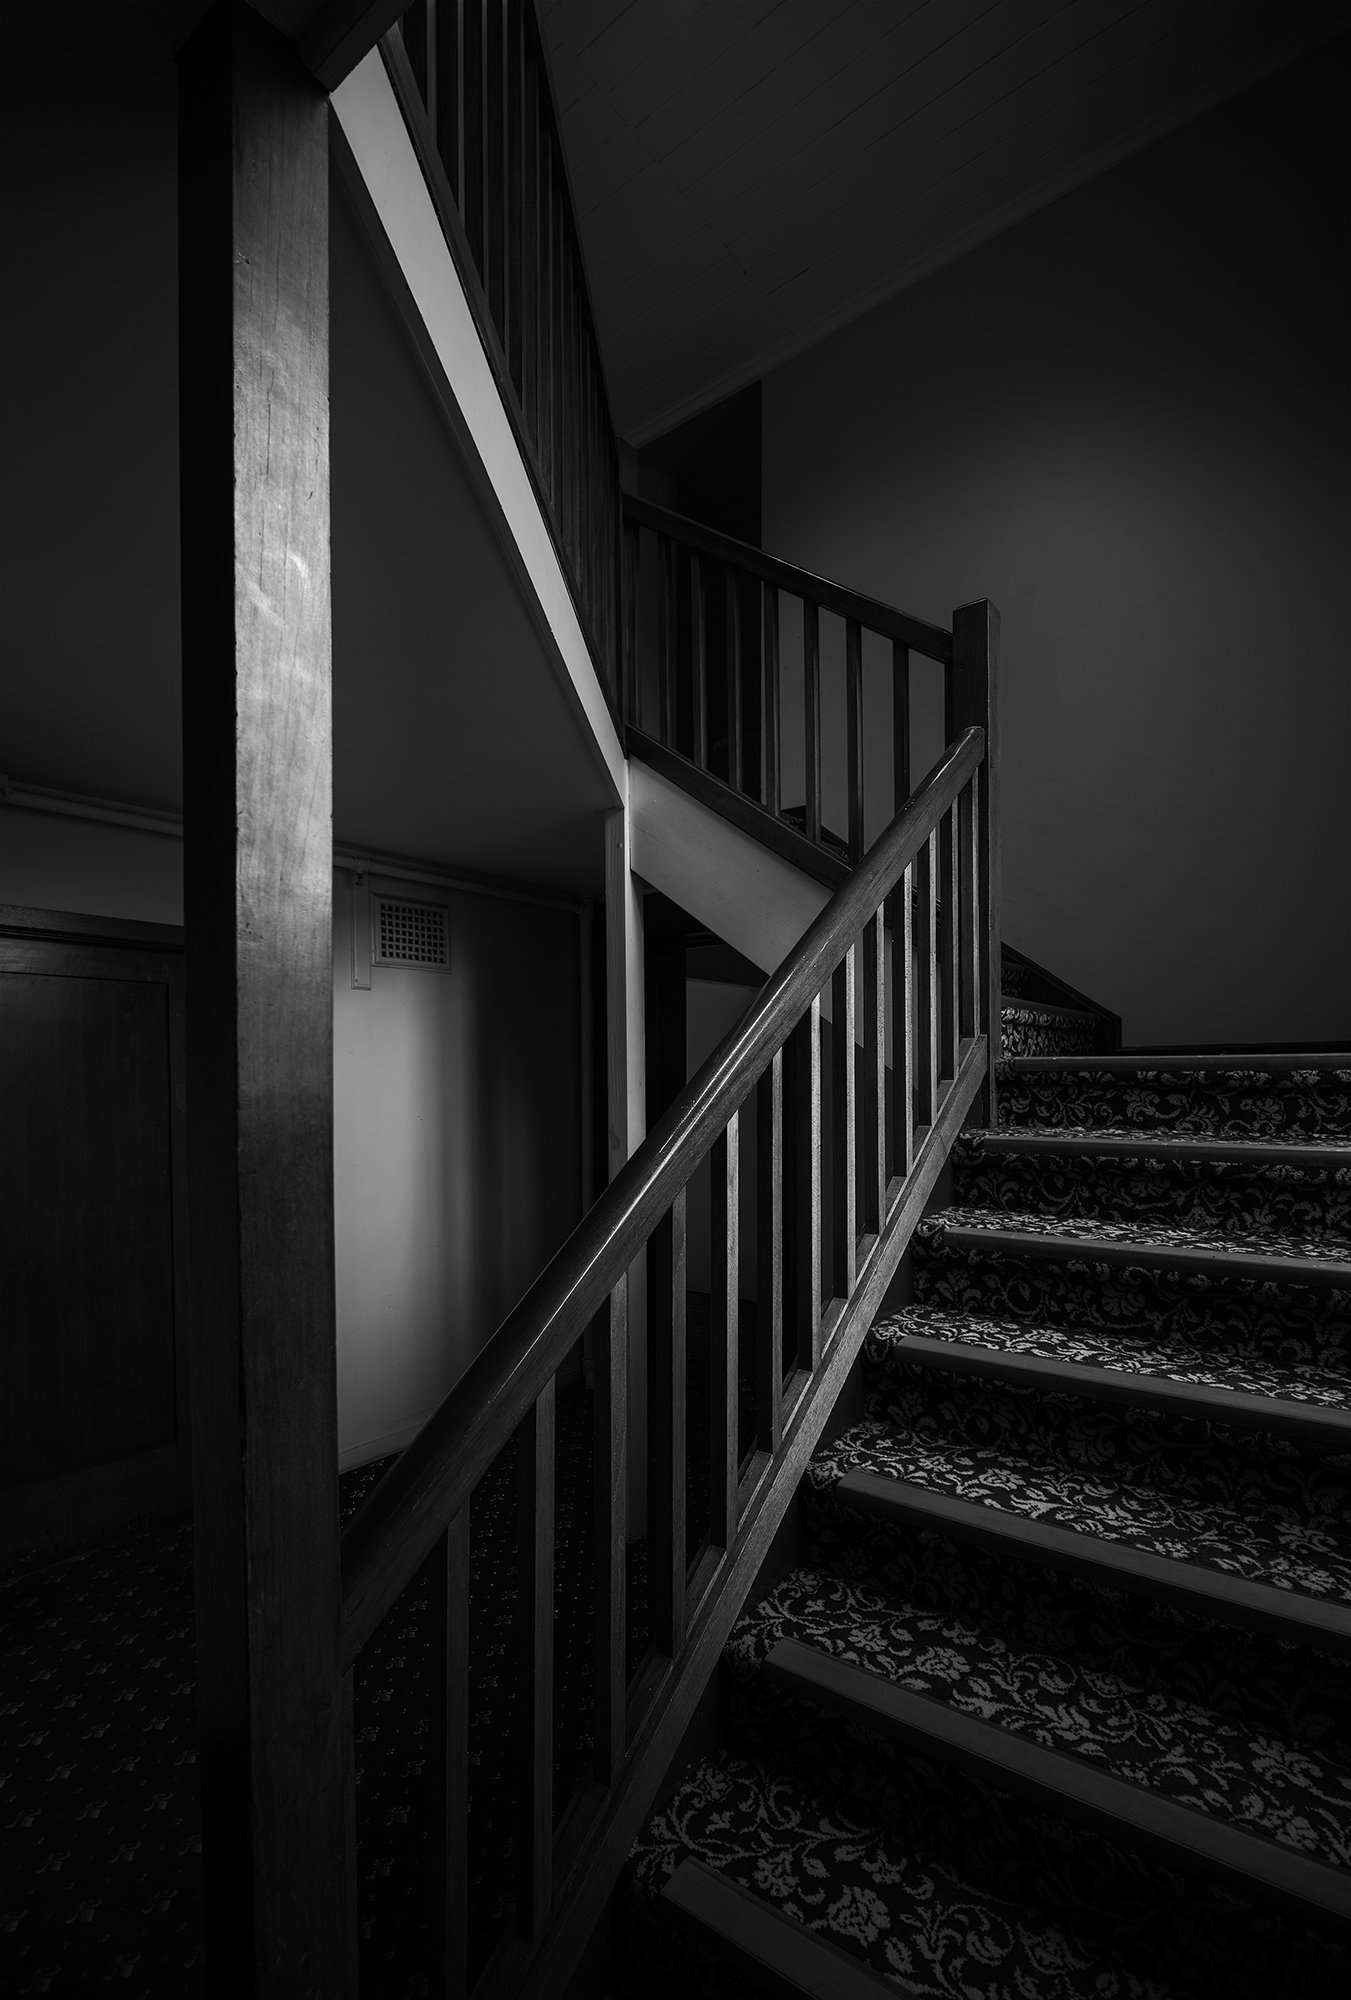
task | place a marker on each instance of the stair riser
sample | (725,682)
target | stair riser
(1310,1105)
(1030,1031)
(1201,1194)
(1292,1324)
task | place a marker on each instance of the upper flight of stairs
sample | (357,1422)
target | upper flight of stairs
(1058,1703)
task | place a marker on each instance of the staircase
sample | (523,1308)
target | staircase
(1056,1703)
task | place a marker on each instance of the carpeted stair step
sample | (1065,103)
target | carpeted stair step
(1184,1836)
(1289,1615)
(824,1845)
(1246,1504)
(1315,1408)
(1298,1190)
(1285,1294)
(755,1942)
(1297,1098)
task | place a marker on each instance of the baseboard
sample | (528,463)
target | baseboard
(48,1519)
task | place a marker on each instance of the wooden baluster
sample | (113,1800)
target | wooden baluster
(415,30)
(927,1017)
(853,685)
(530,246)
(699,660)
(900,906)
(513,82)
(666,638)
(448,122)
(769,707)
(633,705)
(610,1400)
(544,331)
(769,1258)
(805,1056)
(900,724)
(734,759)
(811,697)
(724,1332)
(971,938)
(973,699)
(949,947)
(471,206)
(447,1763)
(872,1101)
(494,173)
(666,1446)
(844,1234)
(562,476)
(535,1656)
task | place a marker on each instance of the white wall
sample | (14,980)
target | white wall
(51,862)
(457,1139)
(1126,420)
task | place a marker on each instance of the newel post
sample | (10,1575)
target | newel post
(258,891)
(973,701)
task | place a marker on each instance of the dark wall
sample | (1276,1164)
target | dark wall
(1125,420)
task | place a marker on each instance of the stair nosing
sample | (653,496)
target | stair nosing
(1066,1781)
(712,1904)
(1274,1064)
(1114,1145)
(1212,1402)
(1271,1267)
(1293,1615)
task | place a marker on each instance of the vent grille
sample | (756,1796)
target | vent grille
(410,934)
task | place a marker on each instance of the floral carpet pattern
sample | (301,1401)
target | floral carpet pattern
(937,1875)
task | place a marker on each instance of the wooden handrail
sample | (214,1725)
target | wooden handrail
(931,640)
(426,1489)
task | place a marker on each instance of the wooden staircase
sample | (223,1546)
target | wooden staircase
(1056,1703)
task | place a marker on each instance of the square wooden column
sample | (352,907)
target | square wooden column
(257,740)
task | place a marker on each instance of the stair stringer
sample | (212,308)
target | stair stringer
(744,893)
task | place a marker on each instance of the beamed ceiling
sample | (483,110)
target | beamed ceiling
(750,174)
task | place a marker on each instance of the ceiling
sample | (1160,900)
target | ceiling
(751,174)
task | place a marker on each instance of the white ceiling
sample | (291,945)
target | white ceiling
(750,174)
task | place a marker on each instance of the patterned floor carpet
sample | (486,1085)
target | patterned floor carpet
(937,1876)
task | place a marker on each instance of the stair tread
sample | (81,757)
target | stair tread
(1131,1351)
(1160,1142)
(1257,1509)
(1285,1251)
(1166,1063)
(901,1900)
(1159,1705)
(1242,1857)
(773,1948)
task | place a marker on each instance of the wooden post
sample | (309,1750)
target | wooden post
(626,1091)
(257,782)
(973,700)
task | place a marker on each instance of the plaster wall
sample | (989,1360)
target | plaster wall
(1125,421)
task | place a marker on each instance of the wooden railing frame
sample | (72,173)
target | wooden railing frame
(508,1389)
(538,333)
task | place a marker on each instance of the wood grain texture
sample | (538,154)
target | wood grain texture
(843,1109)
(769,1258)
(534,1643)
(448,1760)
(804,1054)
(725,1322)
(253,261)
(872,1088)
(972,702)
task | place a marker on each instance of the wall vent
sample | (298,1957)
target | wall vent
(415,934)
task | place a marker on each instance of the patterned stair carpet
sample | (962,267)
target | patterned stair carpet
(939,1875)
